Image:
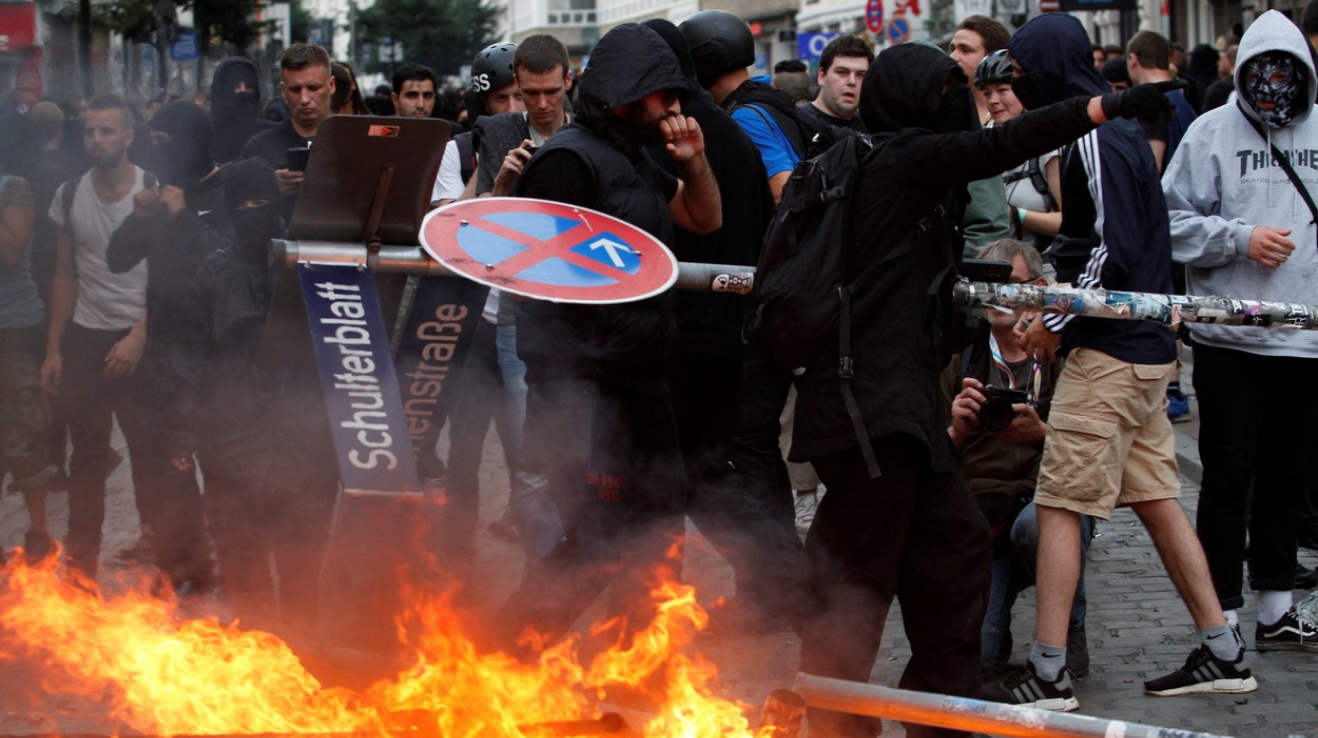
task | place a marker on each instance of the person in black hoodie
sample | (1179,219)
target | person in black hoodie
(173,226)
(235,107)
(913,532)
(239,421)
(763,548)
(600,428)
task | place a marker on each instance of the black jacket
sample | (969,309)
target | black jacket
(902,320)
(174,249)
(710,323)
(596,166)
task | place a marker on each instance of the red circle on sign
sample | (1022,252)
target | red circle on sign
(548,250)
(874,16)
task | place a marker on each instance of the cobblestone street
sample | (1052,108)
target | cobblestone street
(1137,629)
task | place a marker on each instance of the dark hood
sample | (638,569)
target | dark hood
(630,62)
(904,86)
(672,35)
(1054,51)
(186,157)
(226,105)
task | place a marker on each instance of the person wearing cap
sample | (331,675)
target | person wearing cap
(600,430)
(493,91)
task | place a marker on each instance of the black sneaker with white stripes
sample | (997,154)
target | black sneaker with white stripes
(1204,672)
(1028,689)
(1292,633)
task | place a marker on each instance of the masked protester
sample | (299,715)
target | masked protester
(913,531)
(235,107)
(174,224)
(1240,224)
(233,421)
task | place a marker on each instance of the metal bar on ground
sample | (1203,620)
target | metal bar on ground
(961,713)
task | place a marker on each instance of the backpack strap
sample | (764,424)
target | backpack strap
(1285,165)
(790,127)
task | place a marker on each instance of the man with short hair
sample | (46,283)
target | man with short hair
(414,91)
(1148,58)
(541,68)
(986,218)
(97,323)
(842,66)
(306,84)
(976,37)
(791,76)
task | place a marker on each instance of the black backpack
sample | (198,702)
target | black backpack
(801,302)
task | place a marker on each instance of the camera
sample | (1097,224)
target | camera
(995,413)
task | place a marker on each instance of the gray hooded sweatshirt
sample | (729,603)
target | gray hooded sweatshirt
(1222,183)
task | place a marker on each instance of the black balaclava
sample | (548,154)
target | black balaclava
(253,227)
(186,157)
(629,63)
(1054,52)
(227,105)
(1278,78)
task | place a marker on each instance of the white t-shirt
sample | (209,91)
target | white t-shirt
(1022,194)
(106,301)
(448,183)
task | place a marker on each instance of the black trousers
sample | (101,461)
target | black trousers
(479,403)
(621,497)
(741,514)
(1256,431)
(912,534)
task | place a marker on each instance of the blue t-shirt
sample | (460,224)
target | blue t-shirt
(20,306)
(775,149)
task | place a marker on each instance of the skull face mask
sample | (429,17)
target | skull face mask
(1274,85)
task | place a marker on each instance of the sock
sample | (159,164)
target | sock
(1232,617)
(1273,604)
(1221,641)
(1048,660)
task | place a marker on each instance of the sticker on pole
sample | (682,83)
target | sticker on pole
(548,250)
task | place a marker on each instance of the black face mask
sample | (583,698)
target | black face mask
(252,230)
(1027,93)
(956,110)
(1278,80)
(180,163)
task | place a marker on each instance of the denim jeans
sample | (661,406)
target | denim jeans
(1015,572)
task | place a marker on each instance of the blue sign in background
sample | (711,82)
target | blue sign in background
(357,379)
(810,45)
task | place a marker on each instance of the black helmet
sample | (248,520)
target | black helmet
(993,69)
(720,42)
(492,68)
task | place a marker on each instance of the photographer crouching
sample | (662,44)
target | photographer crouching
(999,420)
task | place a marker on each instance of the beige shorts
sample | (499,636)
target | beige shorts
(1109,441)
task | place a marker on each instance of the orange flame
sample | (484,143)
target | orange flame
(168,675)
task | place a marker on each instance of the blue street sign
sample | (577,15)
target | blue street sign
(899,30)
(185,46)
(357,379)
(810,45)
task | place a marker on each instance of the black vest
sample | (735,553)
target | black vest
(628,344)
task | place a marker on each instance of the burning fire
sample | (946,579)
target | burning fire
(169,675)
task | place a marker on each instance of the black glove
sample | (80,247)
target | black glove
(1148,102)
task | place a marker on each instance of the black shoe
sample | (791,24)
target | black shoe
(1028,689)
(1307,536)
(1204,672)
(1291,633)
(37,546)
(1305,578)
